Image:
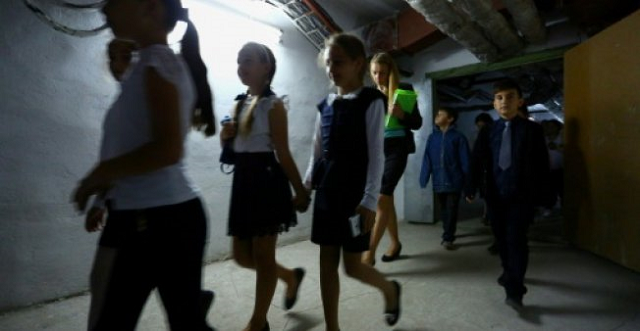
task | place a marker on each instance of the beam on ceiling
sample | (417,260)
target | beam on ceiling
(441,14)
(495,26)
(472,69)
(527,20)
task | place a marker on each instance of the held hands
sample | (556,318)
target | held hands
(470,198)
(301,201)
(396,111)
(368,218)
(94,183)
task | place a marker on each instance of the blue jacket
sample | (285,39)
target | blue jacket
(446,157)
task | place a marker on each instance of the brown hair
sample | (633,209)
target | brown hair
(394,73)
(351,45)
(203,118)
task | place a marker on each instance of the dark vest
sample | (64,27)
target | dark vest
(345,158)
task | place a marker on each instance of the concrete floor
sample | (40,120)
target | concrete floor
(442,290)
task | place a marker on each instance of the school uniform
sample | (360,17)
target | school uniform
(156,228)
(346,165)
(511,193)
(261,198)
(398,144)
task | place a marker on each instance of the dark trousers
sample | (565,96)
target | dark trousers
(510,222)
(448,203)
(557,186)
(159,247)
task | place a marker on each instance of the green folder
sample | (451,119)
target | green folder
(407,101)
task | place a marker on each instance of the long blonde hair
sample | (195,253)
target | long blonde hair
(245,122)
(394,75)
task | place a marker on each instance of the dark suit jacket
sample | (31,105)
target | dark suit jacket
(530,163)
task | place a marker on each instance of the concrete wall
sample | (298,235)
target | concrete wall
(55,89)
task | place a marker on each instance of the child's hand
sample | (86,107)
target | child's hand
(396,111)
(301,202)
(228,130)
(368,218)
(94,183)
(95,219)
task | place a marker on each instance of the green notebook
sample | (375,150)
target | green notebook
(407,101)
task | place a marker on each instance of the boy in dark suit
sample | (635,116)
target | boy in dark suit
(512,159)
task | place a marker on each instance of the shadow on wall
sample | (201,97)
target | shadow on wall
(578,204)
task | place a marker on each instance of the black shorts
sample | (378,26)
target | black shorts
(160,247)
(395,162)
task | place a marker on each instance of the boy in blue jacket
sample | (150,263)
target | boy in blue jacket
(447,158)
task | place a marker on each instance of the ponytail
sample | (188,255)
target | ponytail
(203,118)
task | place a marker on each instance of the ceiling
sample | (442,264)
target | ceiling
(351,14)
(542,82)
(591,15)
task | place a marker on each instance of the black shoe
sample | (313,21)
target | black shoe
(206,300)
(493,249)
(290,302)
(392,257)
(266,327)
(392,316)
(448,245)
(502,280)
(514,302)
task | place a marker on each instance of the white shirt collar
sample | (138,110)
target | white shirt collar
(349,96)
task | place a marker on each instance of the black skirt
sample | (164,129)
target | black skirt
(395,162)
(331,211)
(260,197)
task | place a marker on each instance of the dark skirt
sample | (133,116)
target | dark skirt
(395,162)
(331,211)
(260,197)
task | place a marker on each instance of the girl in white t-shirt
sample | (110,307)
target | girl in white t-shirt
(155,232)
(262,205)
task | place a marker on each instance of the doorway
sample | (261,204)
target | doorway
(470,93)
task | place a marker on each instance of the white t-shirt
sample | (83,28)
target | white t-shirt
(127,127)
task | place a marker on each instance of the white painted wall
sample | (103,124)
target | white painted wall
(55,90)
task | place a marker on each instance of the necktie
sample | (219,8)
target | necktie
(504,157)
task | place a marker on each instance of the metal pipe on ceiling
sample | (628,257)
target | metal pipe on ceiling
(441,14)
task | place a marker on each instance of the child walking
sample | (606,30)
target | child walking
(346,170)
(261,202)
(398,144)
(155,231)
(446,156)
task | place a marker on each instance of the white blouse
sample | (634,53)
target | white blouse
(259,139)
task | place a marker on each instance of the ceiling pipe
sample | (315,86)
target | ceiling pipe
(441,14)
(329,23)
(495,26)
(527,20)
